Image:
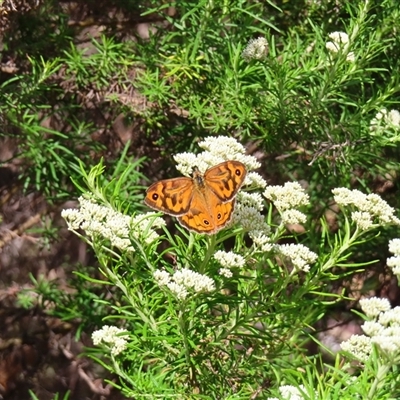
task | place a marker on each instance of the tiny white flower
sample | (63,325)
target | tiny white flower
(193,280)
(216,150)
(293,217)
(184,281)
(215,144)
(162,277)
(391,331)
(332,47)
(249,218)
(119,346)
(73,218)
(203,161)
(178,290)
(250,162)
(226,272)
(394,117)
(250,200)
(310,47)
(393,261)
(257,49)
(115,338)
(339,37)
(98,220)
(358,345)
(381,209)
(345,197)
(373,306)
(386,120)
(229,259)
(387,344)
(254,179)
(390,317)
(142,227)
(362,219)
(289,392)
(290,195)
(372,204)
(340,42)
(396,270)
(299,255)
(350,56)
(394,246)
(261,241)
(372,328)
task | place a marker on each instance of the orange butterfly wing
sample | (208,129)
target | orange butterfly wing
(225,179)
(172,196)
(209,220)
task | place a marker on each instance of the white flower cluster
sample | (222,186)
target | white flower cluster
(371,208)
(358,345)
(373,306)
(383,120)
(383,330)
(255,180)
(300,256)
(256,49)
(286,199)
(98,220)
(252,200)
(340,43)
(249,218)
(229,260)
(261,241)
(394,262)
(115,338)
(289,392)
(184,280)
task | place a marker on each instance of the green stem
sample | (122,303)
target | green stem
(183,328)
(335,255)
(380,377)
(211,242)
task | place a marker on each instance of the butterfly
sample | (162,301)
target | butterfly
(204,203)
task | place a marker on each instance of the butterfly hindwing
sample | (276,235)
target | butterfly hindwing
(203,219)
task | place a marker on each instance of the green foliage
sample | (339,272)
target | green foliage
(300,100)
(228,341)
(82,301)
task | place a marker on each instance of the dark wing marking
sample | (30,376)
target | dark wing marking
(172,196)
(225,179)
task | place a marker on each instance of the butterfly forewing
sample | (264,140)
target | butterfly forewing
(172,196)
(225,179)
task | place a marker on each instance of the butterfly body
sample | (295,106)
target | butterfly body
(204,203)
